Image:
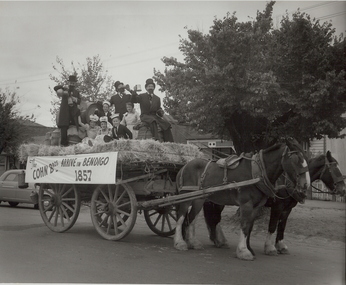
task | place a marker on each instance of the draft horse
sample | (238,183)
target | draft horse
(324,168)
(268,164)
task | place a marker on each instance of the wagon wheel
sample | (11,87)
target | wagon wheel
(162,220)
(113,210)
(59,206)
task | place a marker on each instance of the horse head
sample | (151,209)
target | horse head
(331,175)
(294,164)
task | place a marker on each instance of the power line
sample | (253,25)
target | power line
(331,15)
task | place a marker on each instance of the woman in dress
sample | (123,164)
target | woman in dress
(130,119)
(92,129)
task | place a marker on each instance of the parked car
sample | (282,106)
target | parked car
(11,193)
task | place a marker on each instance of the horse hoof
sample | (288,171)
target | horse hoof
(181,246)
(245,255)
(283,251)
(271,252)
(196,245)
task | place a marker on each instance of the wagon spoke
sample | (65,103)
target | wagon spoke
(56,216)
(120,197)
(61,216)
(68,207)
(172,216)
(110,192)
(121,219)
(115,224)
(163,223)
(52,214)
(65,214)
(124,213)
(104,195)
(157,219)
(168,223)
(125,204)
(116,193)
(104,220)
(67,192)
(109,224)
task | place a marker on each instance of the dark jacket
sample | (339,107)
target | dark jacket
(102,114)
(120,103)
(68,112)
(122,132)
(150,110)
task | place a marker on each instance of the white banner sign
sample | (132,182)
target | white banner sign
(93,168)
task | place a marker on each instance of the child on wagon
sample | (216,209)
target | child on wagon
(119,131)
(92,129)
(131,118)
(104,132)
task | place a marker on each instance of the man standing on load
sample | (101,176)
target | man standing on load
(151,112)
(120,99)
(69,111)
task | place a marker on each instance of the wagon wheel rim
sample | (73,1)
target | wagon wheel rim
(162,220)
(59,206)
(113,210)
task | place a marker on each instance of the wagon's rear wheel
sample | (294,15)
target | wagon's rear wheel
(59,206)
(162,220)
(113,210)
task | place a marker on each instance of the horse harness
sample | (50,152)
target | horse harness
(257,166)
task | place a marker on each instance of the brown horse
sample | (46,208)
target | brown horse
(323,167)
(268,164)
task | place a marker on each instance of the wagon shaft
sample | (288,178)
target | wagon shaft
(195,194)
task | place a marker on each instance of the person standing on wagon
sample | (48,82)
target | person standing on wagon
(120,99)
(151,112)
(74,100)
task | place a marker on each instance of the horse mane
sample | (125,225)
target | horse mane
(273,147)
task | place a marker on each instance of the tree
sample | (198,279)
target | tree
(248,81)
(94,83)
(12,130)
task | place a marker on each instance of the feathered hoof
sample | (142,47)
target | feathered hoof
(220,244)
(181,246)
(195,245)
(245,254)
(283,251)
(271,252)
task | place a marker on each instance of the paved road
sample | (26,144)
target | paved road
(32,253)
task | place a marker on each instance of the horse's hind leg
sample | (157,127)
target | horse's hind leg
(179,242)
(191,239)
(212,216)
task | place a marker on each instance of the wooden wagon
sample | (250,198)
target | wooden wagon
(148,187)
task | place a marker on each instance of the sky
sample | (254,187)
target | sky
(131,38)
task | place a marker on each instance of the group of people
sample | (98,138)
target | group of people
(105,125)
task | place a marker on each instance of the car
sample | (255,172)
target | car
(11,192)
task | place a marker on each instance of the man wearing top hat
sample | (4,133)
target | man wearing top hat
(120,99)
(151,112)
(68,112)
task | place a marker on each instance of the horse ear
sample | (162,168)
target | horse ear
(329,156)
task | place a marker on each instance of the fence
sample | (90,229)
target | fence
(323,195)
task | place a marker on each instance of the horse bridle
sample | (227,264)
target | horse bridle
(298,170)
(336,179)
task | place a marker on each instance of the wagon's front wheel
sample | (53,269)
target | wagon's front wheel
(162,220)
(59,206)
(113,210)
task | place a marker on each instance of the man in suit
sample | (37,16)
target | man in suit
(151,112)
(69,111)
(119,131)
(120,99)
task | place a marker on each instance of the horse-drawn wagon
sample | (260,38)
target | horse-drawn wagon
(117,180)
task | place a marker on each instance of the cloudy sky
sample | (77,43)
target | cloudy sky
(131,37)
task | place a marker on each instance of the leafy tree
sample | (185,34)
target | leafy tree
(94,83)
(255,84)
(12,130)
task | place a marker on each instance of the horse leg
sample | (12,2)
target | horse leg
(191,239)
(275,213)
(281,247)
(212,216)
(179,242)
(244,250)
